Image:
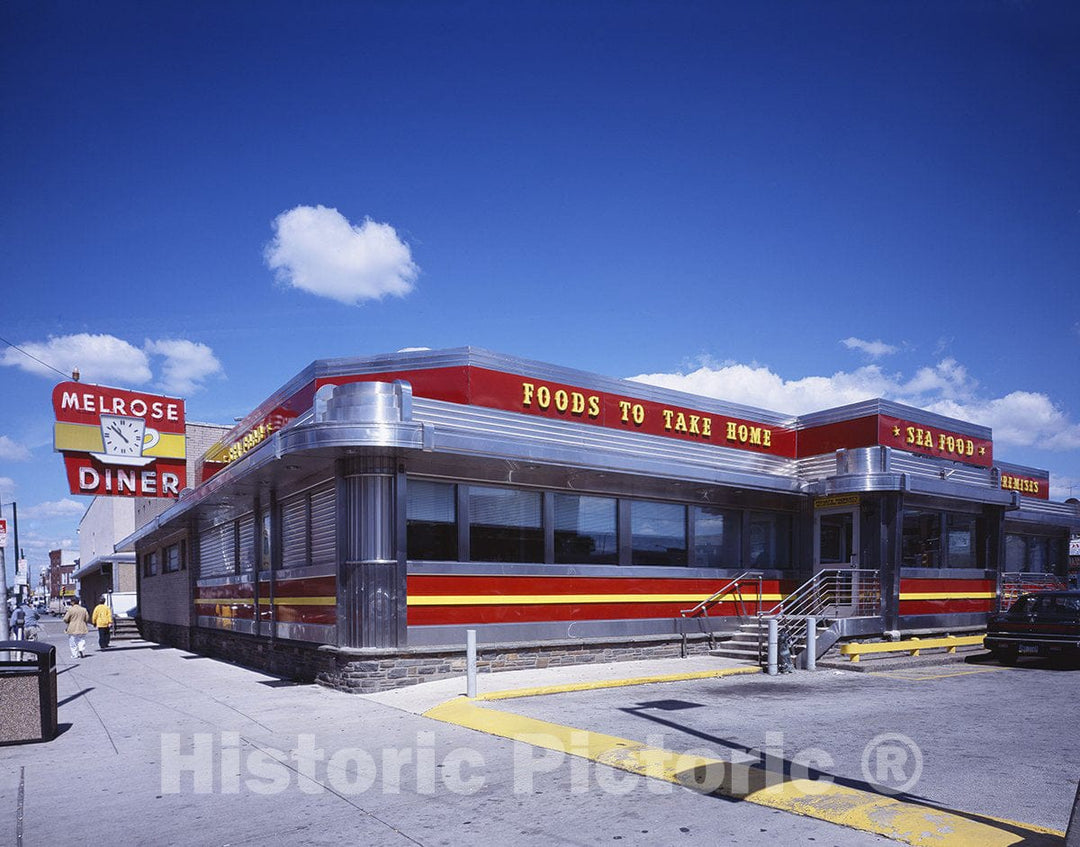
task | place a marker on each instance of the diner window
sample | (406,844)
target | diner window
(267,540)
(217,550)
(294,532)
(717,537)
(960,541)
(245,530)
(657,533)
(770,540)
(505,525)
(1029,553)
(585,530)
(150,564)
(921,539)
(431,520)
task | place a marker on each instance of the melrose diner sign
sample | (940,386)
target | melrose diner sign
(119,443)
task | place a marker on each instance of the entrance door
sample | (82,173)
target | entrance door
(836,548)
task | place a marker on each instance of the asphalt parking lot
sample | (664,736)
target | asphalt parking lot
(969,736)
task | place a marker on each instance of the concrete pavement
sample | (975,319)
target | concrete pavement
(159,746)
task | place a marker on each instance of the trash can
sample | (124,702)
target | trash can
(27,691)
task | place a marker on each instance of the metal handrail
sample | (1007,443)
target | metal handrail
(839,593)
(736,585)
(1015,583)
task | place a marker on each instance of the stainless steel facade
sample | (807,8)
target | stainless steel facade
(358,444)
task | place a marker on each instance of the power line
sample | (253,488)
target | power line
(35,358)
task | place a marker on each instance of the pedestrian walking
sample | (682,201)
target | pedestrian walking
(24,624)
(102,619)
(75,618)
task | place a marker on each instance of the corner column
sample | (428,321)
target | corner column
(371,578)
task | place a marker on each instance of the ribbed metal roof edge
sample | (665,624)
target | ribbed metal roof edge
(521,366)
(880,406)
(1020,470)
(572,435)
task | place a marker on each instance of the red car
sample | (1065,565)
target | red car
(1043,623)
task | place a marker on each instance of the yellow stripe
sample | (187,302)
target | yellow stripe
(265,601)
(948,595)
(556,599)
(78,437)
(85,438)
(911,823)
(171,445)
(615,683)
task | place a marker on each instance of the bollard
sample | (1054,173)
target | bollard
(470,663)
(811,644)
(773,637)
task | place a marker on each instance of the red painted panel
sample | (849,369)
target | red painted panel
(488,585)
(943,607)
(558,401)
(828,438)
(925,584)
(429,615)
(939,443)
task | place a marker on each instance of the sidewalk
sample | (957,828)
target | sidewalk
(159,746)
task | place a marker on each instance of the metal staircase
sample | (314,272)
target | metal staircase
(830,598)
(732,591)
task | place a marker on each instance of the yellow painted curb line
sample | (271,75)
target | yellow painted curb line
(615,683)
(911,823)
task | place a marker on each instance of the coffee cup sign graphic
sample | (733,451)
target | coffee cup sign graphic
(126,439)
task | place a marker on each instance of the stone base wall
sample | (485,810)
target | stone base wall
(366,670)
(164,633)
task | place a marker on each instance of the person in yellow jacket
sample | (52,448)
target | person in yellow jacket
(75,618)
(102,619)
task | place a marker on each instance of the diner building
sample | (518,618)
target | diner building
(361,519)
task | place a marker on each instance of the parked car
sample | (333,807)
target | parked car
(1042,623)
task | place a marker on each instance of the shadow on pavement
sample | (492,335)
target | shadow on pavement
(74,696)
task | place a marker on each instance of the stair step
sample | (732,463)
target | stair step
(125,629)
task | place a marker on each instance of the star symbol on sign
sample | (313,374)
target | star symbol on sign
(982,451)
(896,432)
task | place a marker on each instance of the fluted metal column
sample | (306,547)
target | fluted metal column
(371,584)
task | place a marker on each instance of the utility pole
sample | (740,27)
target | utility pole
(4,634)
(18,553)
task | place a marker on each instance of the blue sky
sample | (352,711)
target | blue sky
(792,205)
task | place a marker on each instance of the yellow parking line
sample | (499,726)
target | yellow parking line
(923,676)
(855,808)
(616,683)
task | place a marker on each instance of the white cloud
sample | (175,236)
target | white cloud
(1020,418)
(54,509)
(113,361)
(1064,487)
(13,451)
(873,349)
(756,385)
(187,364)
(413,349)
(7,489)
(317,250)
(99,358)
